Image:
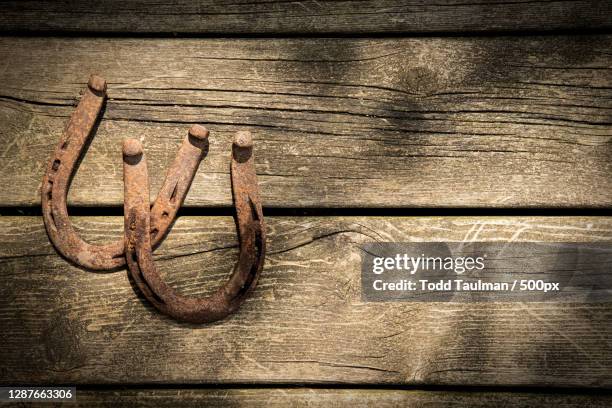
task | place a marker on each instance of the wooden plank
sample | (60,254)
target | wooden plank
(305,323)
(304,17)
(314,397)
(489,122)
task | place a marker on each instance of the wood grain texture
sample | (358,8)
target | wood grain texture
(482,122)
(303,17)
(305,323)
(300,397)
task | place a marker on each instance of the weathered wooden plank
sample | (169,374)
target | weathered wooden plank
(490,122)
(305,323)
(315,397)
(303,17)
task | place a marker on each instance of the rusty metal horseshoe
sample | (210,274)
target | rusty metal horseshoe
(62,168)
(251,233)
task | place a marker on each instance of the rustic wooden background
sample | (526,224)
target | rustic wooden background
(373,120)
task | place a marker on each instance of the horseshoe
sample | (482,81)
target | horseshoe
(251,233)
(62,168)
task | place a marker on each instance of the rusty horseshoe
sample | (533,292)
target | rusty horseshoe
(251,235)
(62,168)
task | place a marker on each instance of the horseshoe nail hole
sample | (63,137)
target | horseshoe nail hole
(53,223)
(255,266)
(56,164)
(165,214)
(254,211)
(131,255)
(154,232)
(132,221)
(173,195)
(65,145)
(49,190)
